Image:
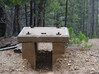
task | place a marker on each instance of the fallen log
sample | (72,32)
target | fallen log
(15,47)
(7,48)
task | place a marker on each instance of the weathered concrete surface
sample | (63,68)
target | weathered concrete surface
(28,52)
(45,46)
(40,31)
(46,34)
(58,51)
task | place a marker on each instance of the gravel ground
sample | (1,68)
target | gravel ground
(74,61)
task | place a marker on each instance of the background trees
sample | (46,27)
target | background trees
(82,15)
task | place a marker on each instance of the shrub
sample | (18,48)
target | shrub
(79,39)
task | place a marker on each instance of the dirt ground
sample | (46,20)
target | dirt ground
(74,61)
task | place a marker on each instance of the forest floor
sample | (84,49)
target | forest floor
(74,61)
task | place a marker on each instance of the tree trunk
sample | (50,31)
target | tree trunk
(96,17)
(34,13)
(66,13)
(31,13)
(26,15)
(92,23)
(2,22)
(90,27)
(97,23)
(40,21)
(16,24)
(44,16)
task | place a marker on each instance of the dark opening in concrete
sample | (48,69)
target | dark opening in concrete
(43,60)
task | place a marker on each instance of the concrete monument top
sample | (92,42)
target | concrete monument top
(45,33)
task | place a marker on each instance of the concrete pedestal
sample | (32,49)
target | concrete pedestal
(29,37)
(28,52)
(58,51)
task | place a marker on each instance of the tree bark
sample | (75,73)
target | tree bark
(31,13)
(2,22)
(97,23)
(34,13)
(26,15)
(66,13)
(16,24)
(96,17)
(40,21)
(92,22)
(90,27)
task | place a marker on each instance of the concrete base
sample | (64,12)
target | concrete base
(28,52)
(58,51)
